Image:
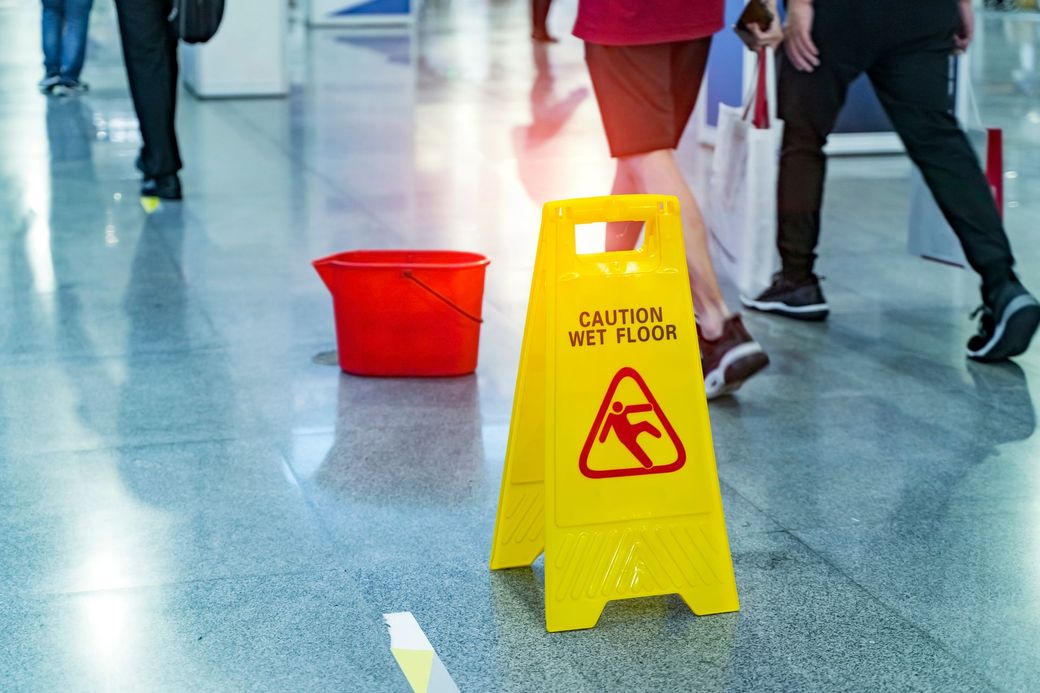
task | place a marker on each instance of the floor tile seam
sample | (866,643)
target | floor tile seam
(848,338)
(309,502)
(305,166)
(141,445)
(922,519)
(871,306)
(736,491)
(53,357)
(846,324)
(848,284)
(224,348)
(150,586)
(850,393)
(324,431)
(152,445)
(178,265)
(905,460)
(895,613)
(895,355)
(896,522)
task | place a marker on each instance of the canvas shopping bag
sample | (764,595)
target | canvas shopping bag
(742,203)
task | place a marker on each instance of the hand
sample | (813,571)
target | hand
(754,37)
(966,31)
(770,38)
(798,43)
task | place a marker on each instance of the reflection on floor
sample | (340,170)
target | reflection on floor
(190,500)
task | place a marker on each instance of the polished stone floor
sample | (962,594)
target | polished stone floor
(192,499)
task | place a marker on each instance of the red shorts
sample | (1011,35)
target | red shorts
(646,93)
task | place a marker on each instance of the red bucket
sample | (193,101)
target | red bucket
(406,312)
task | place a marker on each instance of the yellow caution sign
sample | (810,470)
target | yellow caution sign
(149,204)
(610,466)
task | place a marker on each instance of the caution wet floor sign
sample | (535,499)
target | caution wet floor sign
(610,467)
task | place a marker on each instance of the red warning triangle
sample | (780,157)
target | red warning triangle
(615,418)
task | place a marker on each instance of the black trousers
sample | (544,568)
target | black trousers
(150,53)
(904,46)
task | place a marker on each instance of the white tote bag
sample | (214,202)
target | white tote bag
(931,236)
(742,200)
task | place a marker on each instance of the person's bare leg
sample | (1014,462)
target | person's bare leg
(539,18)
(657,172)
(623,235)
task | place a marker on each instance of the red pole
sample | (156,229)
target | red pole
(995,165)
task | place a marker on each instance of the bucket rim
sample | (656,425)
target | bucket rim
(354,259)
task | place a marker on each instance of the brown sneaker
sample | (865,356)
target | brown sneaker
(731,359)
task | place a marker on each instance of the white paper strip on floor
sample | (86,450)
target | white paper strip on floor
(416,657)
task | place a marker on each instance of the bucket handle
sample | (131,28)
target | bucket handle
(407,274)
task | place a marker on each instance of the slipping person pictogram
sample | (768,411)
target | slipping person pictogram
(627,432)
(599,460)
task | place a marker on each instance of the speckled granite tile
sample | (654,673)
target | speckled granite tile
(305,631)
(802,626)
(970,583)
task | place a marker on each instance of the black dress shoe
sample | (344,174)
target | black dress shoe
(164,187)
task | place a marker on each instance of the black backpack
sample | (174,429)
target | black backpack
(196,21)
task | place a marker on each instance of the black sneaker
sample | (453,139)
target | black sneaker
(1009,320)
(731,359)
(164,187)
(801,300)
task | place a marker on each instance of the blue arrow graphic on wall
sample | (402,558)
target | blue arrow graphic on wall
(374,7)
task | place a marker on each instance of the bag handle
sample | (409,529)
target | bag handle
(762,119)
(760,100)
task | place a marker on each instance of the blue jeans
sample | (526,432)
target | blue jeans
(65,37)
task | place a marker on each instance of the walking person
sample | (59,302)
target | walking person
(646,59)
(539,18)
(65,24)
(904,47)
(150,53)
